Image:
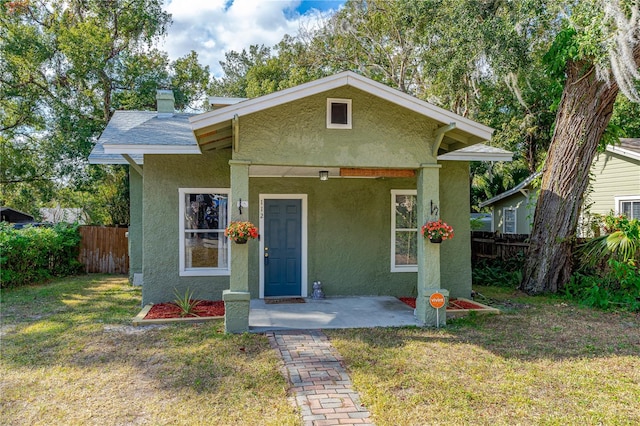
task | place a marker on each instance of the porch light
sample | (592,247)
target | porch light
(324,175)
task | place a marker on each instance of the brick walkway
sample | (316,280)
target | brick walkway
(321,385)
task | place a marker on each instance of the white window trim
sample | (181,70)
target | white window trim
(504,220)
(331,125)
(200,272)
(394,267)
(624,198)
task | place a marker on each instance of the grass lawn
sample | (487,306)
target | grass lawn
(71,357)
(544,361)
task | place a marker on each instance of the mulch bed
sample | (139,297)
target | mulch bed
(284,300)
(204,308)
(454,304)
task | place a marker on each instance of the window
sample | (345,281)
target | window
(509,221)
(338,113)
(204,250)
(629,206)
(404,231)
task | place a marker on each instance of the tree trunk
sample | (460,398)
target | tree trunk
(584,113)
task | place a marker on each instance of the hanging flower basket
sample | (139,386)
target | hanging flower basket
(437,231)
(241,232)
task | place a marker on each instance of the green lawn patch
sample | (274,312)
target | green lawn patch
(544,361)
(71,356)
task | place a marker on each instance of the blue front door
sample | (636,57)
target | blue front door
(282,248)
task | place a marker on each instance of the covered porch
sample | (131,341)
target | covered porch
(332,312)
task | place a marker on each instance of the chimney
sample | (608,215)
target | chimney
(166,103)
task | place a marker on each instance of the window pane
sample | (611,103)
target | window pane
(406,212)
(338,113)
(206,250)
(406,248)
(631,209)
(205,211)
(509,221)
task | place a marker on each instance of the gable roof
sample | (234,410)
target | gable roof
(522,185)
(466,131)
(628,147)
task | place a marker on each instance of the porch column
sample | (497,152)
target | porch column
(236,299)
(428,198)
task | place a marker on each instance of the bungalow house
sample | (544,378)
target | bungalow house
(614,187)
(338,174)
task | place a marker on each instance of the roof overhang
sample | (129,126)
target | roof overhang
(478,152)
(520,187)
(98,156)
(151,149)
(622,150)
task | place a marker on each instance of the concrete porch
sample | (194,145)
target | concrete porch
(332,312)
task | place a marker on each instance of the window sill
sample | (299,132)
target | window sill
(206,273)
(404,269)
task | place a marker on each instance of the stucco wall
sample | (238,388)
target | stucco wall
(349,229)
(349,233)
(295,133)
(455,254)
(349,220)
(163,176)
(135,223)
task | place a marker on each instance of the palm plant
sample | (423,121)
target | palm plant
(187,304)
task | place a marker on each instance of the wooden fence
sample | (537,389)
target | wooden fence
(488,245)
(104,250)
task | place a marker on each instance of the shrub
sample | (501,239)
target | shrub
(35,254)
(617,286)
(608,275)
(497,272)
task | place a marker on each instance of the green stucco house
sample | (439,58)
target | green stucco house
(338,174)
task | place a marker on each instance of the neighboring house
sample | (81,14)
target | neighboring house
(616,180)
(8,214)
(512,210)
(482,222)
(63,214)
(338,174)
(614,187)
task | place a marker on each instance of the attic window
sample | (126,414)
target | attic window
(338,113)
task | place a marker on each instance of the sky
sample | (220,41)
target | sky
(213,27)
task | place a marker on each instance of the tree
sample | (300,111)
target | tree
(64,68)
(599,52)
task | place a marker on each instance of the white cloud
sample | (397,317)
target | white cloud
(213,27)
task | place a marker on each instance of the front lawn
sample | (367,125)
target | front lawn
(71,357)
(543,361)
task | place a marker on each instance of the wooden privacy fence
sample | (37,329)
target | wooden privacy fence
(104,250)
(488,245)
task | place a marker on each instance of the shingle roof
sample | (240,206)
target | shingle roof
(137,132)
(478,152)
(512,191)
